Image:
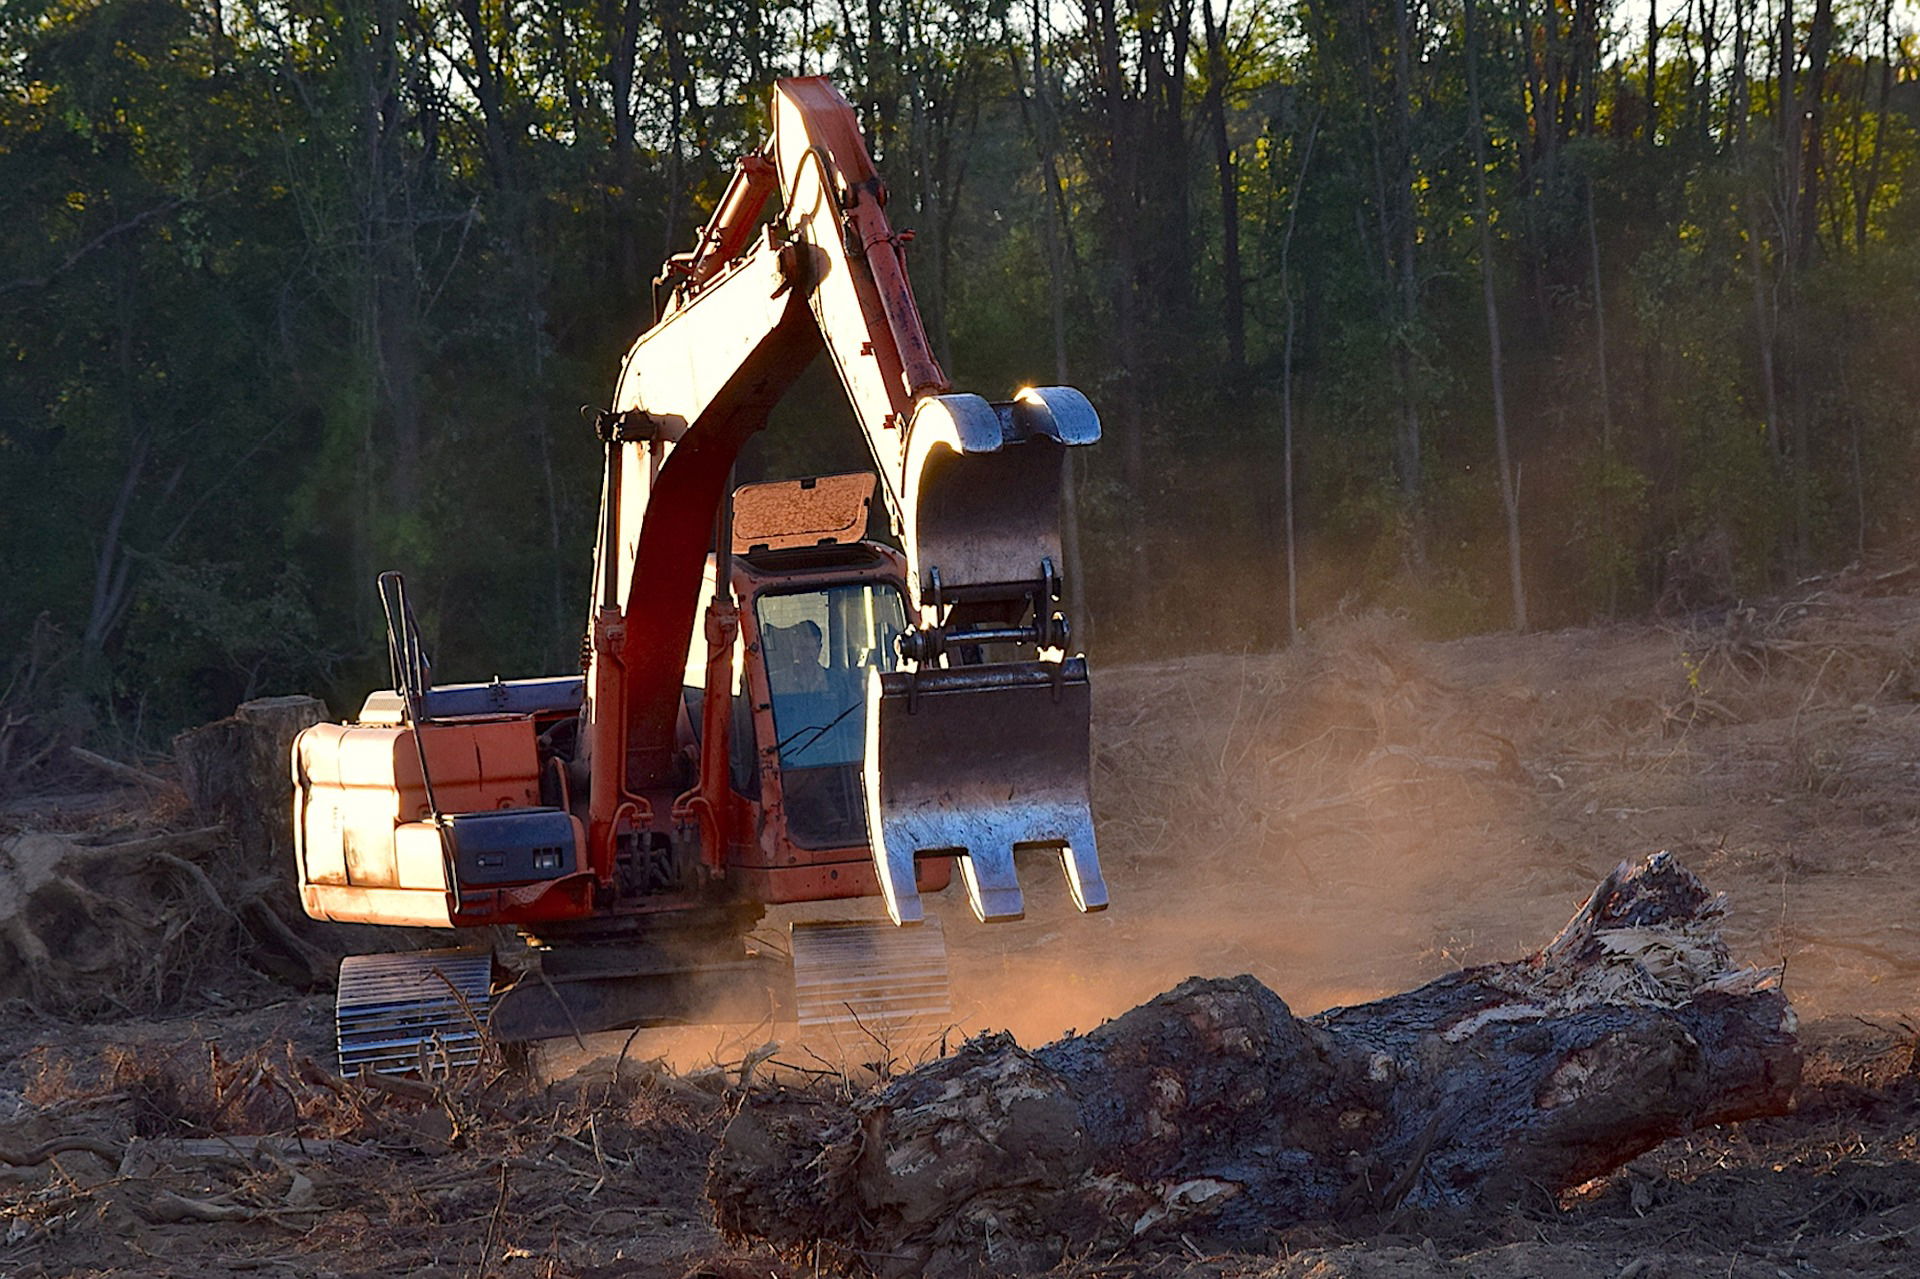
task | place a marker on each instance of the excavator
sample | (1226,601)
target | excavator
(843,719)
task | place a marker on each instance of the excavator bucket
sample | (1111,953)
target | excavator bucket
(977,762)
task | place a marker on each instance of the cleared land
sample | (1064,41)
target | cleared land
(1344,820)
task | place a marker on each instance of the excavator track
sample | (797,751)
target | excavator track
(580,822)
(872,979)
(422,1011)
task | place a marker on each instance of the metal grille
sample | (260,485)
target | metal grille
(416,1012)
(882,977)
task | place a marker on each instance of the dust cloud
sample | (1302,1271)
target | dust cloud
(1312,818)
(1367,811)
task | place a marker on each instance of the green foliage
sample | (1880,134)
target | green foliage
(217,634)
(294,293)
(1607,531)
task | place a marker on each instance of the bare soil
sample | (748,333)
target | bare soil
(1346,819)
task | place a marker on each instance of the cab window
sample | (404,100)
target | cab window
(818,647)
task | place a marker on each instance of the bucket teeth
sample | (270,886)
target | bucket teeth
(993,885)
(1022,730)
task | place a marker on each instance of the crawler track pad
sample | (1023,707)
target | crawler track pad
(422,1010)
(871,977)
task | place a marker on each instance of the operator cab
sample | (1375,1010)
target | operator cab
(818,644)
(820,609)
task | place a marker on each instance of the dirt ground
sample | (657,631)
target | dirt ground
(1345,819)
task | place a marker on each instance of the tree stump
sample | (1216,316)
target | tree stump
(1213,1112)
(236,771)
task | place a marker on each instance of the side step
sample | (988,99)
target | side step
(419,1011)
(871,977)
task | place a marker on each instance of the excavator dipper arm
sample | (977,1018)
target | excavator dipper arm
(967,760)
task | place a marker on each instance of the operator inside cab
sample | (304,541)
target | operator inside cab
(815,709)
(818,647)
(796,650)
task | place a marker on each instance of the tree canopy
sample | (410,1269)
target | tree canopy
(1498,311)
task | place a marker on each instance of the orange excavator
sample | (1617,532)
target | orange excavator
(845,719)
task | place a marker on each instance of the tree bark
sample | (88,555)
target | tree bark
(1819,44)
(1287,455)
(1406,357)
(621,24)
(1863,202)
(1607,530)
(1212,1113)
(1653,68)
(234,771)
(1041,121)
(489,92)
(1806,242)
(1118,179)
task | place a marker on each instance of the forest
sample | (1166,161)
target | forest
(1496,313)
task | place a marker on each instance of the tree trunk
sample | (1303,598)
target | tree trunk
(1212,1113)
(621,23)
(667,18)
(1037,112)
(1607,531)
(1286,384)
(389,228)
(1161,188)
(1509,498)
(1119,184)
(490,94)
(1863,203)
(1805,240)
(1232,286)
(1406,358)
(1702,90)
(235,772)
(1653,66)
(1819,44)
(111,565)
(1045,142)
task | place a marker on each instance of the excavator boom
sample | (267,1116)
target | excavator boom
(800,257)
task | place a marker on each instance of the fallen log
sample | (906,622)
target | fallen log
(126,773)
(1213,1113)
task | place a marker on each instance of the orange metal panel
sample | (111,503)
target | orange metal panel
(349,905)
(476,764)
(358,782)
(421,897)
(367,849)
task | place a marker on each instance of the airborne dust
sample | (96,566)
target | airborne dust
(1365,812)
